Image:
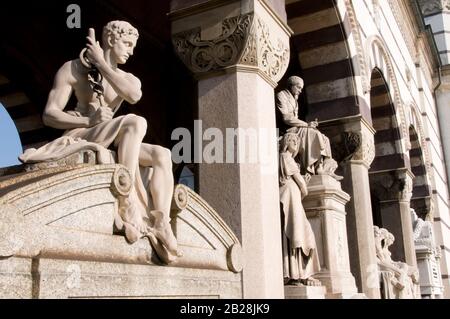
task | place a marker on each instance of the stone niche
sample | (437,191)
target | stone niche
(57,240)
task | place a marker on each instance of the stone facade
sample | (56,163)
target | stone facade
(377,79)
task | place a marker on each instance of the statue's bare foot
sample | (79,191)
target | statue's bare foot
(320,170)
(336,177)
(311,282)
(163,232)
(294,282)
(135,228)
(132,233)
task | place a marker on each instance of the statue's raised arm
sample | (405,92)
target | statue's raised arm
(100,88)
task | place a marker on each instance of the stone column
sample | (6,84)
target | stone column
(238,51)
(355,150)
(325,209)
(394,192)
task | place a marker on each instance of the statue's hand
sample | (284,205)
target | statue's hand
(314,124)
(94,51)
(307,178)
(102,114)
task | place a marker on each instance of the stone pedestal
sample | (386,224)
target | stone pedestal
(325,209)
(238,51)
(41,278)
(431,286)
(57,241)
(304,292)
(353,146)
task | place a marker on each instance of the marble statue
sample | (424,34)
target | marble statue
(423,231)
(100,87)
(428,257)
(399,280)
(315,151)
(300,257)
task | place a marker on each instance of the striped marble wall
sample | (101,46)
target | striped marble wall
(320,41)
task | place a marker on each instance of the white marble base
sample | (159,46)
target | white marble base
(305,292)
(60,279)
(325,209)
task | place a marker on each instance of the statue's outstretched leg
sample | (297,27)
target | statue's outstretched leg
(161,186)
(313,282)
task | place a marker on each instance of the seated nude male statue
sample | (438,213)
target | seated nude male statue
(93,120)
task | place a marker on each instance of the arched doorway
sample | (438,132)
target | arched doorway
(390,176)
(324,53)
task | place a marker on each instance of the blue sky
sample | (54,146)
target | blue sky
(10,144)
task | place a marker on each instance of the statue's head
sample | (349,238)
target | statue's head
(291,143)
(414,216)
(383,235)
(121,37)
(376,231)
(389,239)
(295,85)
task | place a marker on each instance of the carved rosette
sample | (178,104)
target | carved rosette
(121,182)
(245,41)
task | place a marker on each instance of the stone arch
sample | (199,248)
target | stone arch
(388,146)
(378,57)
(23,113)
(355,37)
(10,139)
(420,166)
(421,193)
(23,97)
(390,179)
(330,58)
(417,123)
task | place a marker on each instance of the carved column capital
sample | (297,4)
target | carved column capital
(393,185)
(356,147)
(406,183)
(365,151)
(430,7)
(253,42)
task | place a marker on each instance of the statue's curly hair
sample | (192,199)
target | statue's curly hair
(294,80)
(119,29)
(286,139)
